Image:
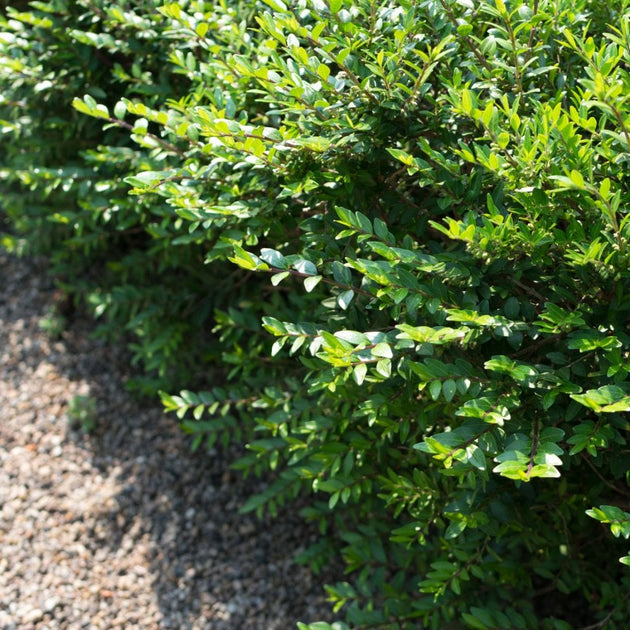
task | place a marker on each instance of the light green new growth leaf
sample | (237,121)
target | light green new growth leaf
(587,341)
(472,317)
(466,102)
(402,156)
(617,519)
(276,5)
(574,180)
(382,350)
(315,144)
(247,261)
(335,5)
(425,334)
(201,29)
(577,179)
(605,399)
(520,372)
(503,139)
(612,515)
(274,326)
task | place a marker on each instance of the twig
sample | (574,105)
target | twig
(606,619)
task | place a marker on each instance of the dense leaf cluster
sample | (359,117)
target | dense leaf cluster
(384,244)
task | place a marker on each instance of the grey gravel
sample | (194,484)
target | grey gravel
(123,527)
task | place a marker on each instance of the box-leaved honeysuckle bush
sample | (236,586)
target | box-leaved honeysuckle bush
(384,244)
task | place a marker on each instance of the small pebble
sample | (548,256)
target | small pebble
(33,615)
(51,603)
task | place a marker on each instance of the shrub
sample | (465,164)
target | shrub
(408,223)
(63,175)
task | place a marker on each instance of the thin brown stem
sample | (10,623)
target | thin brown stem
(602,478)
(532,33)
(607,618)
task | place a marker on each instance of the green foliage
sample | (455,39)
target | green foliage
(63,174)
(53,323)
(388,244)
(82,413)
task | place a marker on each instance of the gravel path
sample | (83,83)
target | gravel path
(122,528)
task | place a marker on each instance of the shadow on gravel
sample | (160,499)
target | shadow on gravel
(157,513)
(203,556)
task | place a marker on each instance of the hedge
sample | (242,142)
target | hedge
(384,245)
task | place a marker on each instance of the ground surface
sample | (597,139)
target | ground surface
(123,528)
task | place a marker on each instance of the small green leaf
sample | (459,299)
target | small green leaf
(276,5)
(384,367)
(359,373)
(277,278)
(449,389)
(145,179)
(353,337)
(503,139)
(246,260)
(335,5)
(341,273)
(435,387)
(608,399)
(511,308)
(382,350)
(201,29)
(454,529)
(344,299)
(277,346)
(311,282)
(120,109)
(305,266)
(577,179)
(466,101)
(274,258)
(476,457)
(323,71)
